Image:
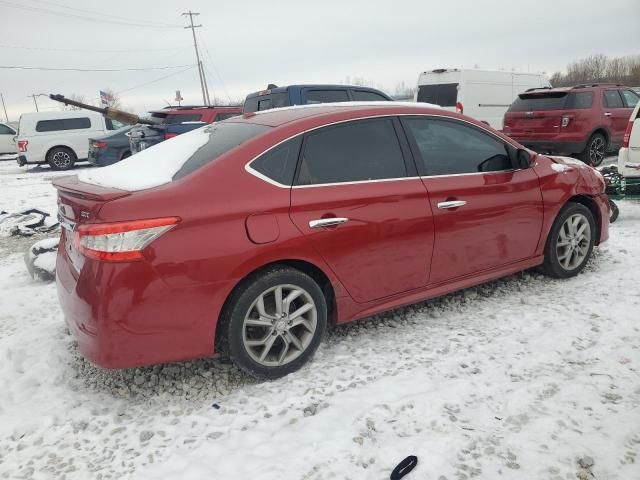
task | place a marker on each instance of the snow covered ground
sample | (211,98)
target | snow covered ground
(519,378)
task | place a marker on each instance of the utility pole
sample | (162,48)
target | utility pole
(34,101)
(4,107)
(203,82)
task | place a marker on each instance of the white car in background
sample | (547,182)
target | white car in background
(7,139)
(482,94)
(60,138)
(629,155)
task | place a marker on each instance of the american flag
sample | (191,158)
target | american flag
(105,97)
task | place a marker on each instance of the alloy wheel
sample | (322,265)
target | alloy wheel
(597,150)
(280,325)
(61,159)
(573,242)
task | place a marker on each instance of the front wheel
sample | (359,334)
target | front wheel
(274,322)
(570,241)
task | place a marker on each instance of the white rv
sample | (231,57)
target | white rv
(482,94)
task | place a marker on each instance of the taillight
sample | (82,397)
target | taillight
(22,145)
(627,135)
(122,241)
(565,121)
(99,144)
(459,108)
(169,135)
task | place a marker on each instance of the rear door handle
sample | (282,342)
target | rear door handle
(327,222)
(607,114)
(451,204)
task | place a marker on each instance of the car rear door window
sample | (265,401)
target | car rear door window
(580,100)
(349,152)
(63,124)
(367,96)
(443,94)
(4,130)
(450,147)
(326,96)
(630,98)
(279,163)
(612,99)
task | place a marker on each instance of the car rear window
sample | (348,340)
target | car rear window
(182,117)
(531,102)
(443,94)
(222,138)
(266,102)
(63,124)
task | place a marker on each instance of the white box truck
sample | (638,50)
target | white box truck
(482,94)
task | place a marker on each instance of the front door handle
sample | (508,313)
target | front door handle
(327,222)
(607,114)
(451,204)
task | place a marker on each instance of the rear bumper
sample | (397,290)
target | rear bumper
(552,146)
(627,168)
(124,315)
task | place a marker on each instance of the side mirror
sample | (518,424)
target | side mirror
(523,158)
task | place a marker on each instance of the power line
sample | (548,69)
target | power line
(93,50)
(156,80)
(83,17)
(213,65)
(102,14)
(135,69)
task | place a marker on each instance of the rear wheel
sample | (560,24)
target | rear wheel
(61,158)
(613,215)
(274,322)
(570,242)
(595,150)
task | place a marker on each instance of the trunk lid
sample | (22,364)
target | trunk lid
(536,114)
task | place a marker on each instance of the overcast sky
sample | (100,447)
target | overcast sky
(247,44)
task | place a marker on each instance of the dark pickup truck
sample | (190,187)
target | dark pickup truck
(277,97)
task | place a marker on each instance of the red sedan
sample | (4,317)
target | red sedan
(253,235)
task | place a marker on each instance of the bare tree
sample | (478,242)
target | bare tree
(600,68)
(113,98)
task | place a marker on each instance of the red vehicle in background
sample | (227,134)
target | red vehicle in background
(174,121)
(251,236)
(586,120)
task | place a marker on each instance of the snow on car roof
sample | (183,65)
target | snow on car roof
(149,168)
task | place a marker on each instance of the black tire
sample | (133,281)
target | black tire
(613,216)
(61,158)
(126,154)
(231,337)
(552,265)
(595,150)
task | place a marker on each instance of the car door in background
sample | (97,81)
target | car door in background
(618,116)
(359,202)
(7,143)
(486,212)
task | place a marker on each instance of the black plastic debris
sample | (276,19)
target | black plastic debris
(27,223)
(404,467)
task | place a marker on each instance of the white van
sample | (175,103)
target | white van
(59,138)
(482,94)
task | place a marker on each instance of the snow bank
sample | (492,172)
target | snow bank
(152,167)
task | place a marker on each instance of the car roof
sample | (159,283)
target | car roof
(328,86)
(276,117)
